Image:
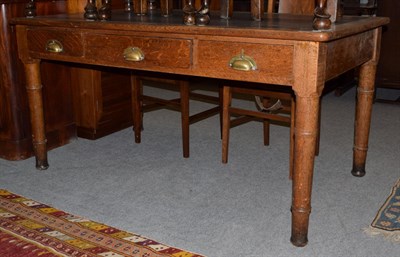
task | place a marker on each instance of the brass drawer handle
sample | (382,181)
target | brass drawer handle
(133,54)
(54,46)
(242,62)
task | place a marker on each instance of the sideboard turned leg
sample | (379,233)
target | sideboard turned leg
(34,90)
(365,96)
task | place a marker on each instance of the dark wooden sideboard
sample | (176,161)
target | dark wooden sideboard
(388,73)
(98,111)
(15,130)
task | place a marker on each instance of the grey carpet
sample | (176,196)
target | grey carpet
(241,209)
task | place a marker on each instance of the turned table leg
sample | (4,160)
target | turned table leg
(306,132)
(365,95)
(309,64)
(34,90)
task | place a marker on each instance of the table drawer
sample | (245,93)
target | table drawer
(273,61)
(157,52)
(55,42)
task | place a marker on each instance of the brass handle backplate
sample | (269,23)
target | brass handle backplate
(242,62)
(54,46)
(133,54)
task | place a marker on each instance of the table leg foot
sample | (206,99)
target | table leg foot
(299,241)
(42,164)
(300,218)
(358,171)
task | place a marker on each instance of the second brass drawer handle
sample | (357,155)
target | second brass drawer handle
(242,62)
(54,46)
(133,54)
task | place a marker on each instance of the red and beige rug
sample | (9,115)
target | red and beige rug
(32,229)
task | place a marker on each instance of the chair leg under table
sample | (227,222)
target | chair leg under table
(142,103)
(226,123)
(137,103)
(184,105)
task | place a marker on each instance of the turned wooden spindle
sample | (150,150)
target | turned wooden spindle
(203,14)
(128,5)
(333,8)
(90,10)
(321,16)
(105,10)
(257,9)
(166,7)
(140,7)
(152,5)
(226,10)
(30,9)
(189,13)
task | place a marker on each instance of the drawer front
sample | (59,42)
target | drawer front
(55,42)
(157,52)
(273,61)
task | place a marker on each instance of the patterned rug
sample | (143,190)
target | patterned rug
(29,229)
(387,221)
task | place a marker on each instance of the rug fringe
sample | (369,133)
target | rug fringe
(393,236)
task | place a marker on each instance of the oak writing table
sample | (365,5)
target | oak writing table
(282,49)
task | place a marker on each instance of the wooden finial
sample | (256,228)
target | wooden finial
(203,14)
(90,10)
(189,13)
(30,9)
(105,10)
(321,16)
